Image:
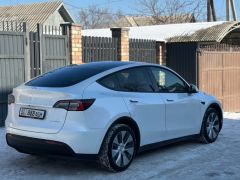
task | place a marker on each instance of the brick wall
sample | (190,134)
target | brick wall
(75,43)
(123,42)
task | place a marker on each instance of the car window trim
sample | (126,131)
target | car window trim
(146,71)
(147,68)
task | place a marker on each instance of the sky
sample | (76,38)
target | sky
(126,6)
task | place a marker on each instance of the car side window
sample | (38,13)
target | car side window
(130,80)
(168,82)
(110,82)
(134,80)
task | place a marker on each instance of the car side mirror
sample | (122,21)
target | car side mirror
(192,89)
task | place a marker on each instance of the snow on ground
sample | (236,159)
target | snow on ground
(186,160)
(233,116)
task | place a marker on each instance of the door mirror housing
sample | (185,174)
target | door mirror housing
(192,89)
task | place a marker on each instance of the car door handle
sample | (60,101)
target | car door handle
(133,101)
(203,103)
(170,100)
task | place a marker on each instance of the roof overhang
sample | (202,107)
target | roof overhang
(212,34)
(65,13)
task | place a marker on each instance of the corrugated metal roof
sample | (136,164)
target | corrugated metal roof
(30,13)
(193,32)
(211,34)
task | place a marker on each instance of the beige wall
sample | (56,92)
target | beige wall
(54,21)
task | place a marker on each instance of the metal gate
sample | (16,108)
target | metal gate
(142,50)
(34,54)
(219,74)
(49,49)
(12,61)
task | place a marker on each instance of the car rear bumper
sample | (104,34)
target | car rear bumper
(44,147)
(81,141)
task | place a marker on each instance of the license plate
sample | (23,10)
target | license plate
(32,113)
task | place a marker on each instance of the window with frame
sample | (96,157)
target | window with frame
(110,82)
(168,82)
(129,80)
(70,75)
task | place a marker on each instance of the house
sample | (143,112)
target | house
(132,21)
(206,54)
(47,13)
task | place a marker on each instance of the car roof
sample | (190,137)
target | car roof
(119,65)
(83,73)
(73,74)
(106,64)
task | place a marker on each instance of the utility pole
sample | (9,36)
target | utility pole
(213,10)
(227,10)
(211,13)
(233,7)
(234,12)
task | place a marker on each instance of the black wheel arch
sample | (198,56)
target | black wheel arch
(129,122)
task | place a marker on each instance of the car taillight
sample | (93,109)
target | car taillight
(74,105)
(11,99)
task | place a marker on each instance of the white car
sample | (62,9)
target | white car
(109,111)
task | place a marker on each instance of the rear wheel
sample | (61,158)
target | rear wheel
(118,148)
(210,126)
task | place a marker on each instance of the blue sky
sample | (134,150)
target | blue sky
(126,6)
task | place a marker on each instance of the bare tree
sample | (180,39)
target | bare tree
(171,9)
(94,17)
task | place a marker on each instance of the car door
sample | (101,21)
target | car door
(182,108)
(144,105)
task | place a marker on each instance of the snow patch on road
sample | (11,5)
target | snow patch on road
(233,116)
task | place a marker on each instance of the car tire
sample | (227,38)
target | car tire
(210,126)
(118,148)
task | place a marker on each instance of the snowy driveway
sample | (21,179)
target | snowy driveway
(187,160)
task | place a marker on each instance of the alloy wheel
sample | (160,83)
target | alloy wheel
(122,148)
(212,125)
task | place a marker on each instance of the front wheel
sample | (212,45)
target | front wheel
(210,126)
(118,148)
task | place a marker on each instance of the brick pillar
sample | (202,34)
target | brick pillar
(75,42)
(123,42)
(161,53)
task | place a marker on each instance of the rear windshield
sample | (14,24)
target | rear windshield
(70,75)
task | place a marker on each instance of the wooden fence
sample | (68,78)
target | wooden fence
(142,50)
(99,49)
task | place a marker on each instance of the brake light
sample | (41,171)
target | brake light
(11,99)
(74,105)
